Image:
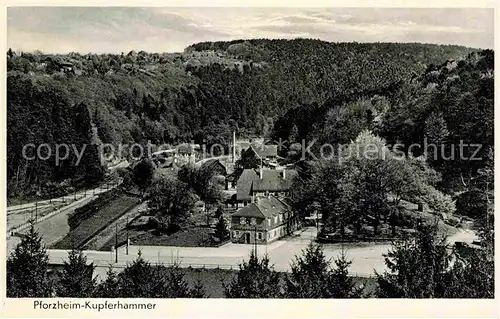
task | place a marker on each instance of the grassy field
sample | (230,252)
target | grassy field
(190,237)
(113,209)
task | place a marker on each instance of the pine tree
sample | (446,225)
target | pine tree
(436,130)
(341,285)
(221,230)
(109,287)
(198,290)
(255,279)
(141,280)
(313,277)
(177,285)
(27,268)
(76,278)
(472,276)
(417,267)
(309,276)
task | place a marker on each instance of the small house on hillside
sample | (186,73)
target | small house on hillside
(265,220)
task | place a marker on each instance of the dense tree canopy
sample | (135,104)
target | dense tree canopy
(172,202)
(215,88)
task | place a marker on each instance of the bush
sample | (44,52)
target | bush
(472,204)
(438,201)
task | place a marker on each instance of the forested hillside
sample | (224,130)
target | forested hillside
(448,105)
(257,87)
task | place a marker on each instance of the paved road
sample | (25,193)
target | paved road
(365,259)
(54,225)
(52,228)
(48,202)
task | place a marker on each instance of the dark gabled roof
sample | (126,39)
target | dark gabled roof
(274,181)
(215,165)
(244,184)
(263,207)
(251,210)
(271,206)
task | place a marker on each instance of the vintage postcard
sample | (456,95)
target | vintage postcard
(249,160)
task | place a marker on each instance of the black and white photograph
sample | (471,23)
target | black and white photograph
(249,153)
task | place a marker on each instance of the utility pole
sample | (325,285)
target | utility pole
(116,243)
(36,211)
(126,227)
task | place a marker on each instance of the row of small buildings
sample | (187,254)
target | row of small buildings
(258,205)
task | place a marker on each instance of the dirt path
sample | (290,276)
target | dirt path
(107,234)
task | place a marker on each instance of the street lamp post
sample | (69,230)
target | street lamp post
(265,232)
(255,238)
(254,223)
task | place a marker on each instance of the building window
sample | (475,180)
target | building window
(253,221)
(237,233)
(259,236)
(281,218)
(275,219)
(243,221)
(269,222)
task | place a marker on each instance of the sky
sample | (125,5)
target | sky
(171,29)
